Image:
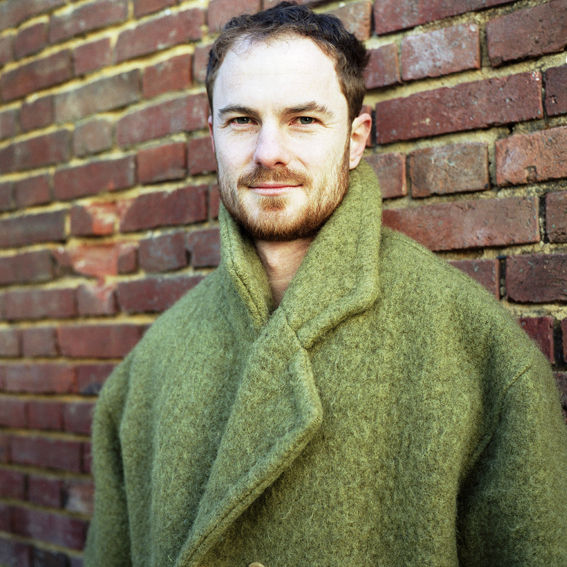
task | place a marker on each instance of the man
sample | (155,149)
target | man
(332,394)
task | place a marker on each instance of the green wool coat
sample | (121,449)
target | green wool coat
(387,413)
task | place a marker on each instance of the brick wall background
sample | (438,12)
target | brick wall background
(108,197)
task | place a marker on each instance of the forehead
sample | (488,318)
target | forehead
(282,71)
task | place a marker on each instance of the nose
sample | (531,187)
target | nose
(271,147)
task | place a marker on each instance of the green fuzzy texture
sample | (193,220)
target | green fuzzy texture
(388,413)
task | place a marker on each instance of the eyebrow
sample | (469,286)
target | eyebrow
(310,106)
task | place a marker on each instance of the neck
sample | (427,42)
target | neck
(281,261)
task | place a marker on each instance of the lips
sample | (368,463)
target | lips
(273,189)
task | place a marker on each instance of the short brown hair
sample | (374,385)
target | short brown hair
(287,18)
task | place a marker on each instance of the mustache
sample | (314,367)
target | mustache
(261,174)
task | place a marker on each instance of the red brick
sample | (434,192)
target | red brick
(449,169)
(93,219)
(31,229)
(38,378)
(13,553)
(356,17)
(9,123)
(4,448)
(49,558)
(96,300)
(88,17)
(77,417)
(76,561)
(200,60)
(40,303)
(200,156)
(214,202)
(6,54)
(382,69)
(45,415)
(204,247)
(391,172)
(98,341)
(168,161)
(393,15)
(530,158)
(159,34)
(220,11)
(104,94)
(47,149)
(98,260)
(9,342)
(128,260)
(92,137)
(36,75)
(12,485)
(12,412)
(39,341)
(145,7)
(540,329)
(469,224)
(163,253)
(556,90)
(87,458)
(6,517)
(32,191)
(186,113)
(44,452)
(7,196)
(532,278)
(441,52)
(26,268)
(94,177)
(30,40)
(14,12)
(182,206)
(91,377)
(173,74)
(37,114)
(49,527)
(88,57)
(79,496)
(556,216)
(530,32)
(45,491)
(154,294)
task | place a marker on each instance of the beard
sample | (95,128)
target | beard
(278,218)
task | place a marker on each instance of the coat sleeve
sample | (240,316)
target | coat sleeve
(514,509)
(108,540)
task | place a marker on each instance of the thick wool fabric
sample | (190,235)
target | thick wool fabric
(387,413)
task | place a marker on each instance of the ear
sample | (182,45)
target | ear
(210,123)
(359,133)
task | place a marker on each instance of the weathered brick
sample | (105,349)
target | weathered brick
(79,496)
(441,52)
(382,69)
(214,202)
(12,485)
(9,342)
(556,90)
(94,177)
(556,216)
(45,415)
(186,113)
(26,268)
(39,341)
(31,229)
(97,260)
(45,491)
(393,15)
(532,278)
(95,300)
(530,158)
(391,172)
(91,377)
(44,452)
(98,341)
(49,558)
(87,17)
(4,448)
(40,303)
(153,294)
(6,53)
(182,206)
(454,168)
(37,114)
(200,156)
(168,161)
(220,11)
(14,12)
(529,32)
(356,17)
(9,123)
(36,75)
(87,458)
(104,94)
(92,137)
(7,196)
(77,417)
(485,272)
(173,74)
(14,553)
(204,247)
(88,57)
(12,412)
(128,259)
(540,329)
(30,40)
(160,33)
(469,224)
(32,191)
(47,149)
(145,7)
(163,253)
(98,218)
(39,378)
(467,106)
(6,517)
(200,59)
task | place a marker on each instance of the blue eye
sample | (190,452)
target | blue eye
(241,120)
(306,120)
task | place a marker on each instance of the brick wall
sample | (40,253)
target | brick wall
(108,197)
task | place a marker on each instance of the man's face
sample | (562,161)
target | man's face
(281,135)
